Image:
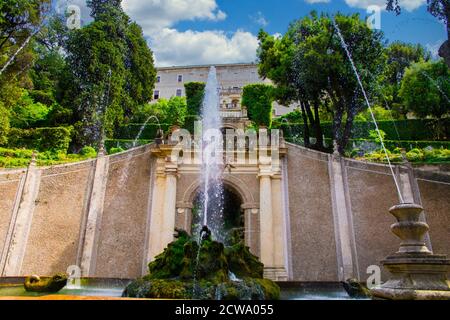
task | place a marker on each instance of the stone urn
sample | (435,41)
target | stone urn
(416,273)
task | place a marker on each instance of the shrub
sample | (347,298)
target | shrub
(427,155)
(258,99)
(4,124)
(115,150)
(409,130)
(26,113)
(375,135)
(88,152)
(41,139)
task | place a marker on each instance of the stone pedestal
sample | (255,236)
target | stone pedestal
(417,273)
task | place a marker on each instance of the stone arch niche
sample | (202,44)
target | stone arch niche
(248,206)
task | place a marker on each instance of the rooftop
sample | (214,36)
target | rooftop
(241,64)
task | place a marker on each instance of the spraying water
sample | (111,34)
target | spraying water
(344,45)
(212,167)
(212,161)
(141,130)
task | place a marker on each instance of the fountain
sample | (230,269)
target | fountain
(198,267)
(417,273)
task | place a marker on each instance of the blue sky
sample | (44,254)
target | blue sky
(183,32)
(416,26)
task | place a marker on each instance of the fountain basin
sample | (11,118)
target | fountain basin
(103,288)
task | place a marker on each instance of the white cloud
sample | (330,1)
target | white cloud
(434,48)
(408,5)
(165,13)
(173,47)
(259,19)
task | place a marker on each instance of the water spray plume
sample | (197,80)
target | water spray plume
(344,45)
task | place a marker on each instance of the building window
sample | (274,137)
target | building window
(156,95)
(180,78)
(179,92)
(158,79)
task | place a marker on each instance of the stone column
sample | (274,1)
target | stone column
(266,221)
(170,198)
(164,196)
(342,218)
(157,211)
(94,216)
(18,238)
(280,272)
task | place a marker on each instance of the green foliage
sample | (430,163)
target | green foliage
(411,130)
(379,112)
(189,122)
(399,57)
(111,69)
(116,150)
(131,131)
(4,124)
(377,135)
(42,139)
(438,8)
(19,158)
(194,97)
(88,152)
(309,64)
(425,89)
(258,99)
(171,112)
(26,113)
(124,144)
(416,155)
(187,270)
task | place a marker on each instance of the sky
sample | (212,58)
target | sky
(187,32)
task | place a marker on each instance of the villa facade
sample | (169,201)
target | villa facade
(231,77)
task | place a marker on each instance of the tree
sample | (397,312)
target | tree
(439,9)
(19,20)
(399,57)
(258,99)
(111,69)
(310,65)
(425,89)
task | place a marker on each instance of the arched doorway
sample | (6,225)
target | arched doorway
(229,220)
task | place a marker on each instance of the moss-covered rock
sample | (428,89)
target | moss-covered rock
(242,262)
(170,263)
(46,284)
(187,270)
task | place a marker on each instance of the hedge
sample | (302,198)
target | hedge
(410,130)
(258,100)
(41,139)
(124,143)
(16,158)
(131,131)
(194,96)
(390,144)
(189,122)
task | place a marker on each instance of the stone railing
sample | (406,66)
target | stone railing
(231,91)
(233,113)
